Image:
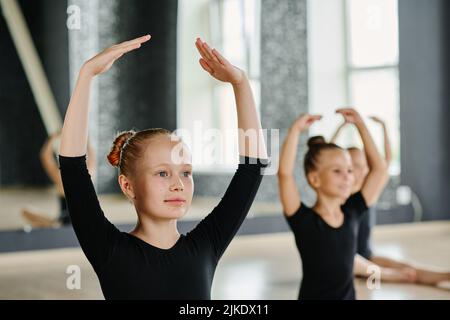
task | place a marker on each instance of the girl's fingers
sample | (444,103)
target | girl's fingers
(219,57)
(131,47)
(210,53)
(376,119)
(135,41)
(314,119)
(343,113)
(119,52)
(206,66)
(205,50)
(200,49)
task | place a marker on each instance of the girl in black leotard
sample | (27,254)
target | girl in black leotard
(325,234)
(391,270)
(154,261)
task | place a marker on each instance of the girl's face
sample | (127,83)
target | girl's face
(163,186)
(334,175)
(360,168)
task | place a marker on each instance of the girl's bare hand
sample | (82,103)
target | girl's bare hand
(305,121)
(217,66)
(350,115)
(103,61)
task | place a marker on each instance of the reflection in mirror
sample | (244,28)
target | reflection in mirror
(232,26)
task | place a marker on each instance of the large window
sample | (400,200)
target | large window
(372,66)
(235,30)
(232,26)
(353,57)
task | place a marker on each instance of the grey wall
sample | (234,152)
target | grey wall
(425,102)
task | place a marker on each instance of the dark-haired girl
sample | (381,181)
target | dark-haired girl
(325,233)
(391,270)
(154,261)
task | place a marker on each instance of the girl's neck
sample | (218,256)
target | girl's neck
(162,234)
(328,205)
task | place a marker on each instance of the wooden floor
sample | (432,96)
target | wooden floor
(254,267)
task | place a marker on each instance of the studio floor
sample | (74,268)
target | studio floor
(254,267)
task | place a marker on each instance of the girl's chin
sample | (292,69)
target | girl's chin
(175,213)
(344,195)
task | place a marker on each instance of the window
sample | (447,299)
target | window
(207,104)
(372,67)
(353,61)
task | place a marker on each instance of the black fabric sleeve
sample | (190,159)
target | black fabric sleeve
(356,203)
(222,224)
(297,218)
(95,233)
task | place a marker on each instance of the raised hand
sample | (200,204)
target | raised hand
(305,121)
(103,61)
(217,66)
(377,120)
(378,173)
(387,140)
(350,115)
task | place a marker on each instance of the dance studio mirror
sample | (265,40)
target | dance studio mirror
(300,56)
(163,86)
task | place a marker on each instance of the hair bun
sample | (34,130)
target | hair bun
(316,141)
(116,150)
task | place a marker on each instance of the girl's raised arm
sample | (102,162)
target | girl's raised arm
(387,140)
(74,135)
(378,175)
(289,193)
(248,120)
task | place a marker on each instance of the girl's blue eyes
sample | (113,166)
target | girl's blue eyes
(164,174)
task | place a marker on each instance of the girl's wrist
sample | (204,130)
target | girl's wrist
(296,130)
(86,73)
(244,80)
